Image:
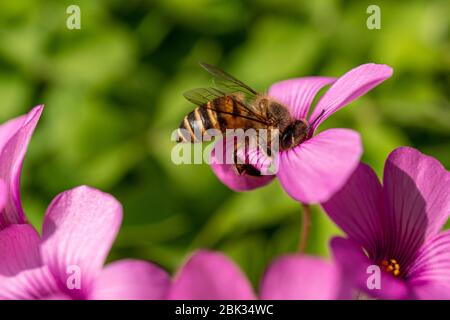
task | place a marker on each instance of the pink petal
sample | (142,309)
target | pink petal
(210,275)
(3,195)
(226,171)
(298,94)
(429,275)
(417,192)
(349,87)
(354,265)
(357,207)
(79,228)
(300,278)
(258,158)
(313,171)
(22,275)
(14,138)
(131,280)
(58,296)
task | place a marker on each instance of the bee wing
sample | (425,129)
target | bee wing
(201,96)
(227,82)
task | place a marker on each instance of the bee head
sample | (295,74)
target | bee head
(294,134)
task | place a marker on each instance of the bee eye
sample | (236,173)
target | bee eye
(285,140)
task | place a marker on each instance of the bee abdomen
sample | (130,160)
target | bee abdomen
(194,125)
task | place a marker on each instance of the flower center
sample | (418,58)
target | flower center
(391,266)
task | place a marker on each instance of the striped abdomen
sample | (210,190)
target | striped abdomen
(220,114)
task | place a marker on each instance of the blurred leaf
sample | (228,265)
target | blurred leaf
(247,211)
(217,15)
(15,93)
(276,49)
(94,60)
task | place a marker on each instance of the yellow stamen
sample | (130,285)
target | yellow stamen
(391,266)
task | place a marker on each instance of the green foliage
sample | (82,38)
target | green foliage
(113,89)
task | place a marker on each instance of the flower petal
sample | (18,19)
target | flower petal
(22,275)
(356,274)
(298,94)
(349,87)
(356,209)
(3,195)
(210,275)
(57,296)
(19,249)
(417,192)
(429,275)
(259,159)
(79,228)
(131,280)
(225,170)
(14,138)
(313,171)
(300,278)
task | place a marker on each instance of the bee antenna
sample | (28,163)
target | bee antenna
(317,119)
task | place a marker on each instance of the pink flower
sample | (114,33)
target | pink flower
(14,138)
(80,225)
(398,225)
(212,276)
(315,169)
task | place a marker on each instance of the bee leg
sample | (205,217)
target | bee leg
(247,169)
(240,169)
(244,168)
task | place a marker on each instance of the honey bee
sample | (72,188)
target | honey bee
(231,104)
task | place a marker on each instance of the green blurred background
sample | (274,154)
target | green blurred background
(112,92)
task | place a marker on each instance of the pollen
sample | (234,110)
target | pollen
(391,266)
